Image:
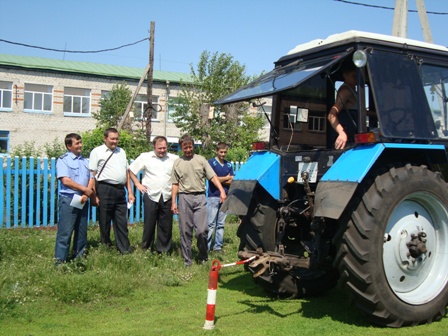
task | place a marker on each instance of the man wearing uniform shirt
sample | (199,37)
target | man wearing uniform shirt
(156,189)
(111,193)
(74,175)
(217,218)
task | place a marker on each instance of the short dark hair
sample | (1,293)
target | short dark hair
(157,139)
(186,138)
(110,130)
(221,145)
(69,139)
(348,66)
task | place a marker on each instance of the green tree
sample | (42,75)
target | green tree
(27,149)
(55,149)
(113,107)
(216,76)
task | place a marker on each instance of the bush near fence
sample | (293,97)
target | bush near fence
(29,193)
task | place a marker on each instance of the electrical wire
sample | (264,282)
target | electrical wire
(73,51)
(384,7)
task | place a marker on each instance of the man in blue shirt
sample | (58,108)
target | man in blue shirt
(75,189)
(216,218)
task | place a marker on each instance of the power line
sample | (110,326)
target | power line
(384,7)
(72,51)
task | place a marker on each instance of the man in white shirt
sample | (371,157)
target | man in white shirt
(109,165)
(156,189)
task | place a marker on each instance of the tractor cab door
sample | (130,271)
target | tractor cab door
(399,96)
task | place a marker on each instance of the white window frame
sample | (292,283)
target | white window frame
(76,97)
(5,91)
(141,103)
(317,123)
(172,106)
(39,94)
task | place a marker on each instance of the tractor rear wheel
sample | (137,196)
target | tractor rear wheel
(393,254)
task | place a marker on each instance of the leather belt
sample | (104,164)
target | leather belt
(116,186)
(193,193)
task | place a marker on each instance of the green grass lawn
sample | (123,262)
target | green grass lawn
(146,294)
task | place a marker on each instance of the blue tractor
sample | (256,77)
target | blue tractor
(373,215)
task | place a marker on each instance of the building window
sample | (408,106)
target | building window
(105,94)
(317,122)
(38,98)
(76,102)
(268,110)
(5,96)
(173,104)
(141,107)
(4,142)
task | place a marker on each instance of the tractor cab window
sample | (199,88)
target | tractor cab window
(435,84)
(303,110)
(400,99)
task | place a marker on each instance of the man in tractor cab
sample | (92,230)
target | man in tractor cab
(343,113)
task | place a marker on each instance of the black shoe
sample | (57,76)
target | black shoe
(202,261)
(58,262)
(220,251)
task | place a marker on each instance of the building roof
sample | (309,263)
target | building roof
(89,68)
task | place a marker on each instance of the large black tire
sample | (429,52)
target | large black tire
(389,285)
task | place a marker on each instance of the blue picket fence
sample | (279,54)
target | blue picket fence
(29,194)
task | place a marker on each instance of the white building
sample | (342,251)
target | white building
(43,99)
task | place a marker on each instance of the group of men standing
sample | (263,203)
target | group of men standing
(170,185)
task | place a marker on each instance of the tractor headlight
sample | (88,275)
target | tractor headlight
(360,58)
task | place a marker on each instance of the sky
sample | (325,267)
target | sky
(255,32)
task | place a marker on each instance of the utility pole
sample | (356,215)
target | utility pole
(150,80)
(400,24)
(149,74)
(424,20)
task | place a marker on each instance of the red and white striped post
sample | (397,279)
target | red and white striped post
(213,287)
(211,295)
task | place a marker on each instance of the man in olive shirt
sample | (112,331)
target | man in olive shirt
(188,178)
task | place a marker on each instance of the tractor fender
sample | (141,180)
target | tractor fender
(260,174)
(336,188)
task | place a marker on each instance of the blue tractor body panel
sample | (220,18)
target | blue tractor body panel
(354,164)
(263,167)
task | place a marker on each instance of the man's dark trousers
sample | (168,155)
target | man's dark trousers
(157,213)
(113,207)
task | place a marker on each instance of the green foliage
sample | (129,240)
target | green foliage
(28,149)
(237,154)
(113,107)
(134,143)
(216,76)
(92,139)
(55,149)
